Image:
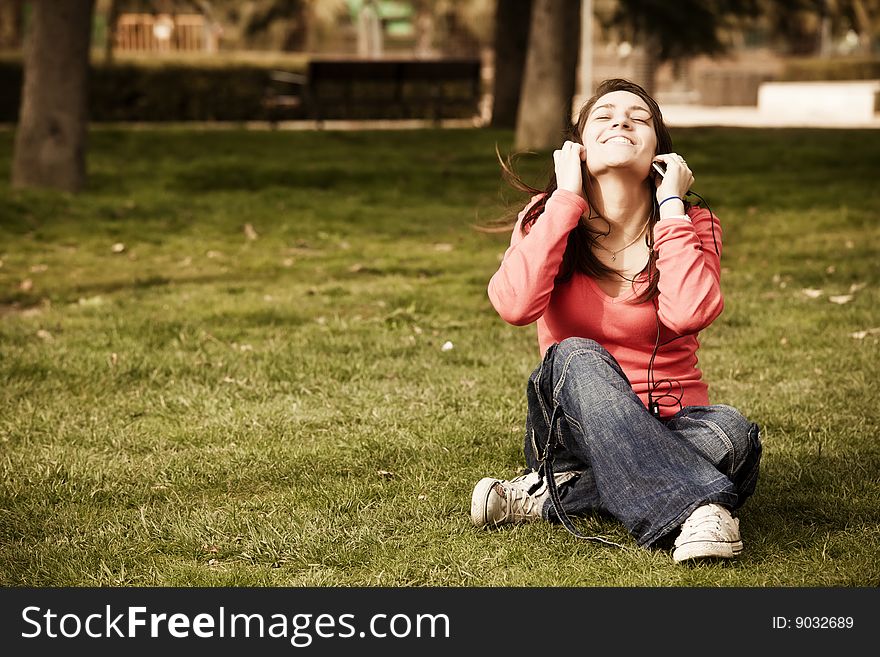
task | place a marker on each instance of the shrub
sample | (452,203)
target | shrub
(171,92)
(851,68)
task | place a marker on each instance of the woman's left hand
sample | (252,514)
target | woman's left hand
(677,179)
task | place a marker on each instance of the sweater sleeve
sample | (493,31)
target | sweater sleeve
(689,287)
(520,290)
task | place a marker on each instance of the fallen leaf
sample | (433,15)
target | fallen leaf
(90,301)
(861,335)
(26,285)
(119,247)
(32,312)
(855,287)
(830,269)
(783,341)
(443,247)
(249,232)
(43,334)
(288,262)
(214,254)
(384,473)
(36,269)
(841,298)
(812,293)
(356,267)
(114,358)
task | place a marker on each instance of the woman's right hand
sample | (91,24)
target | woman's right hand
(568,162)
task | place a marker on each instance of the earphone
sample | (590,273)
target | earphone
(654,401)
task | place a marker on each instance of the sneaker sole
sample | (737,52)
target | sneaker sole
(480,501)
(707,550)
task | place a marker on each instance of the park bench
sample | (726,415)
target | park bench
(352,89)
(283,97)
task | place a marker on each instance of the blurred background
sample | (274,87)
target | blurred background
(469,61)
(759,39)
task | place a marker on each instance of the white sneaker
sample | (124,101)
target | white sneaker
(710,531)
(496,502)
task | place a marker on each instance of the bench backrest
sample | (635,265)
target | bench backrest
(394,69)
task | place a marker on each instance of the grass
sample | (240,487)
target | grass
(197,407)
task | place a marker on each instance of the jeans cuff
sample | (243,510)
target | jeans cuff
(721,497)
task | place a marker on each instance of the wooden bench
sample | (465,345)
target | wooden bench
(393,89)
(283,98)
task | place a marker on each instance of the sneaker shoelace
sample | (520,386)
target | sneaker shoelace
(707,522)
(519,503)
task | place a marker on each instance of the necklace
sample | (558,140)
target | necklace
(625,246)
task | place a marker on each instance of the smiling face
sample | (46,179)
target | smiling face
(619,132)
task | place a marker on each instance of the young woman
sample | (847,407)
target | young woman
(620,274)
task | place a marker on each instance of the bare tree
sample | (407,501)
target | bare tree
(805,27)
(50,143)
(550,74)
(512,21)
(865,16)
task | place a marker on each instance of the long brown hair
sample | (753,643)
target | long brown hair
(579,256)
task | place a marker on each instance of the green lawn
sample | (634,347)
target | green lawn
(202,404)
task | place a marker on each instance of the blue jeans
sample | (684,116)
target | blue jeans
(648,473)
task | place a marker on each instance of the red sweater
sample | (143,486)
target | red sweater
(524,290)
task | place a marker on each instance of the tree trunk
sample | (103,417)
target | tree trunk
(512,21)
(50,143)
(425,28)
(112,19)
(864,28)
(545,110)
(10,24)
